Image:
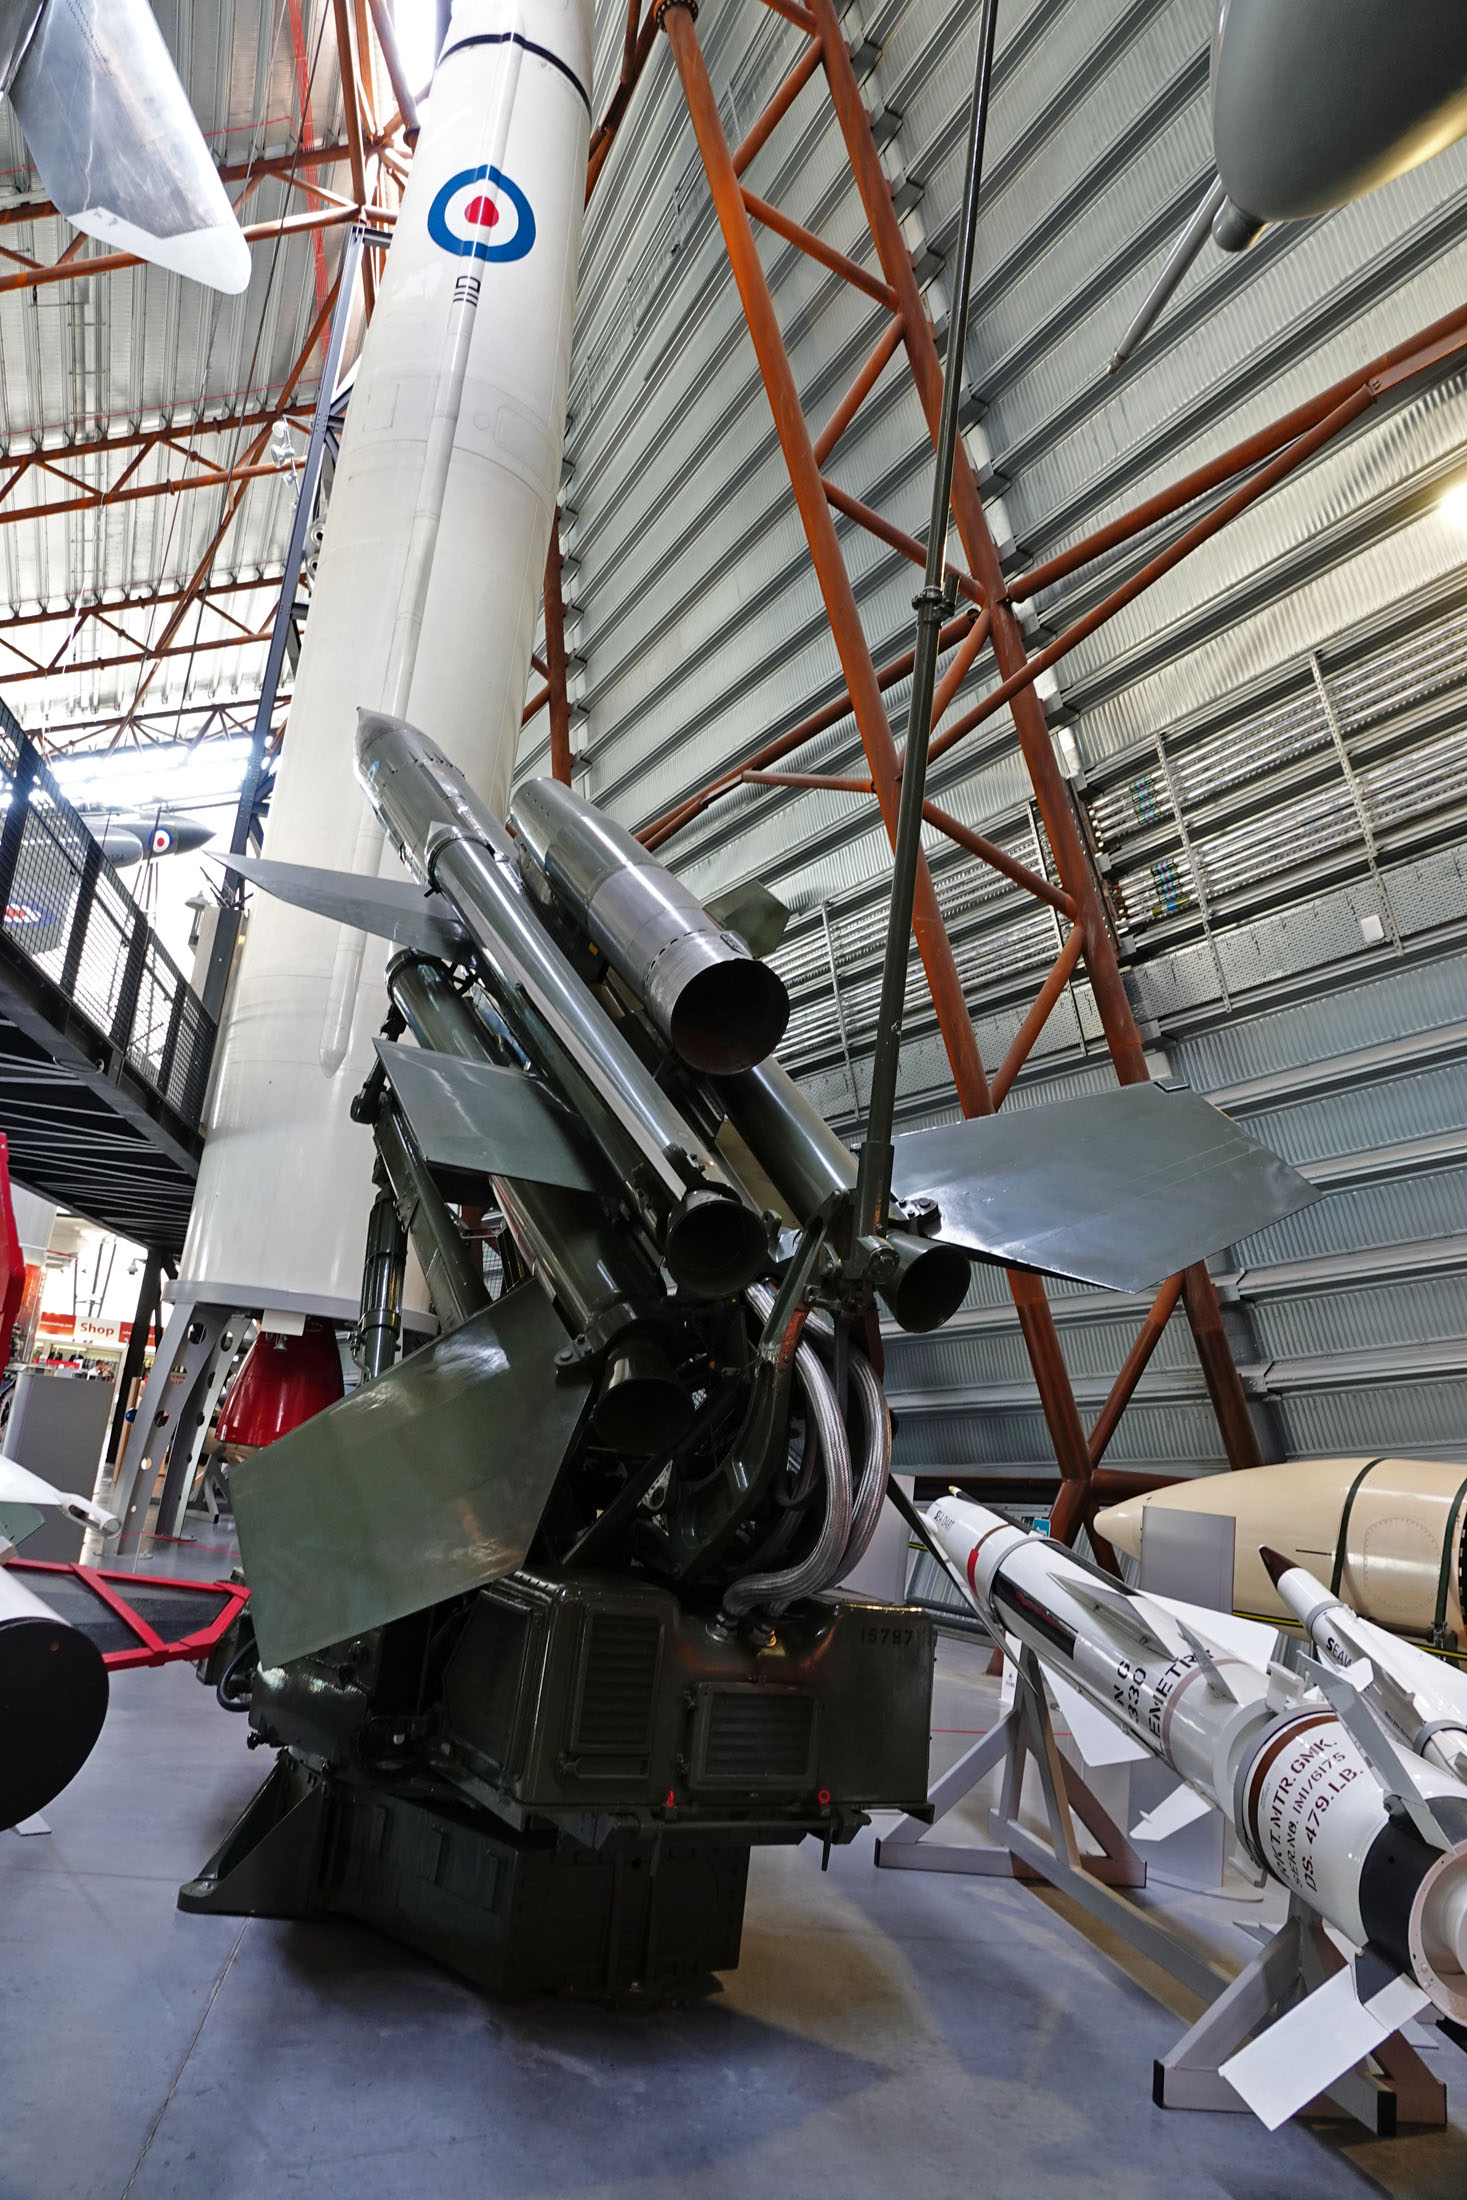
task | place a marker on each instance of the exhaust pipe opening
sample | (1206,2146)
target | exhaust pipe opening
(729,1016)
(642,1410)
(931,1285)
(714,1245)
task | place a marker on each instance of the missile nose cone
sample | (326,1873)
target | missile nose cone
(1121,1525)
(1276,1564)
(186,834)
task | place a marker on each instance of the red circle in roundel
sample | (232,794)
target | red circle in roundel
(481,213)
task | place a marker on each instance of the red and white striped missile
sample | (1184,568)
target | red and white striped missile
(1371,1837)
(492,215)
(1424,1698)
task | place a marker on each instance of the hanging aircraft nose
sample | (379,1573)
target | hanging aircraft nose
(1315,103)
(177,836)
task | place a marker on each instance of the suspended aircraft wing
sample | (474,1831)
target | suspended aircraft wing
(114,138)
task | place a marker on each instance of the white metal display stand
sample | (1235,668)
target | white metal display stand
(1298,1958)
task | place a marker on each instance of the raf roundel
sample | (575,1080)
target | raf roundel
(479,214)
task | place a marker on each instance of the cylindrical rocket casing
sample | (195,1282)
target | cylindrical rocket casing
(719,1008)
(53,1699)
(455,1284)
(597,1276)
(710,1236)
(1390,1533)
(1318,102)
(1294,1784)
(285,1182)
(809,1166)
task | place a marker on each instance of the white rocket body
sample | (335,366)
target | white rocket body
(1289,1777)
(285,1183)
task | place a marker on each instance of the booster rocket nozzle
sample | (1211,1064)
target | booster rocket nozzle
(714,1244)
(641,1411)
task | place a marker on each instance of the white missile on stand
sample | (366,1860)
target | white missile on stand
(1321,1796)
(1424,1698)
(429,577)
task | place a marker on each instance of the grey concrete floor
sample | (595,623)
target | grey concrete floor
(887,2034)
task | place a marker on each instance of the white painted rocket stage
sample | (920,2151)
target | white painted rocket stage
(496,197)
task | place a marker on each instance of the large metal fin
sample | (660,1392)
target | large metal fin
(1117,1189)
(477,1120)
(392,908)
(424,1483)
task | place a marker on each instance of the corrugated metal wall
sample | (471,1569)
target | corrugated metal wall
(1269,746)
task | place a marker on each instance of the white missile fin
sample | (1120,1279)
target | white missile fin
(1126,1612)
(1100,1739)
(1183,1807)
(1252,1640)
(1317,2041)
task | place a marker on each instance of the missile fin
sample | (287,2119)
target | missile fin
(117,144)
(1116,1189)
(1252,1640)
(1183,1807)
(474,1119)
(1303,2052)
(427,1482)
(18,1486)
(392,908)
(1378,1748)
(1100,1739)
(1126,1612)
(1200,1651)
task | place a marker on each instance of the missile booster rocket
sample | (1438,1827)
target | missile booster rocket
(1391,1534)
(1322,101)
(1321,1795)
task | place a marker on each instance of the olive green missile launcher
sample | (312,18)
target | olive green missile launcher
(548,1613)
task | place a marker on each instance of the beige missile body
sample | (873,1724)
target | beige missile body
(1388,1535)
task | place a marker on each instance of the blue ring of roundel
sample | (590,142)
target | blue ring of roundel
(474,248)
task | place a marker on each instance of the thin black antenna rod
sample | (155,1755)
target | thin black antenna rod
(873,1184)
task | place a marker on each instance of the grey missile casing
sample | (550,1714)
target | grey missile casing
(53,1700)
(454,1285)
(588,1265)
(709,1234)
(1319,101)
(719,1008)
(809,1166)
(597,1275)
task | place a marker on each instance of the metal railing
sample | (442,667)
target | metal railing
(67,910)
